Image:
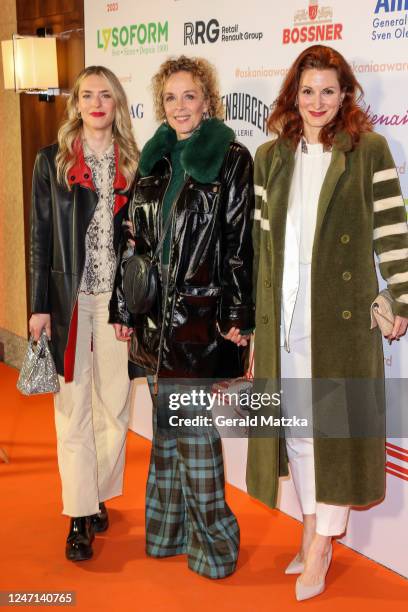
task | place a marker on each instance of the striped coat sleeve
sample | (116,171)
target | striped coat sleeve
(260,214)
(256,228)
(391,230)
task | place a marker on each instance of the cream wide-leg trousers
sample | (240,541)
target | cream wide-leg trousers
(331,520)
(92,412)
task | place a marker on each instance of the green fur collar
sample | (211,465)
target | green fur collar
(202,156)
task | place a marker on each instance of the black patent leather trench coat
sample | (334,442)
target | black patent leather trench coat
(210,271)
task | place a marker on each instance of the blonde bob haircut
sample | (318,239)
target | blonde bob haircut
(203,73)
(71,128)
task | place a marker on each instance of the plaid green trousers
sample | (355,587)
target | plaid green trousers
(186,511)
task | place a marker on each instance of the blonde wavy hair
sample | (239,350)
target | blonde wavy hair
(202,72)
(71,128)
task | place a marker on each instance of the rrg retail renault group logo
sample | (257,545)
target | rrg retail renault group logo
(134,38)
(211,31)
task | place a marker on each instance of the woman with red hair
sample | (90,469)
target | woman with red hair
(328,197)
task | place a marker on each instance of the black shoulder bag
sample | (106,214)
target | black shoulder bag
(141,276)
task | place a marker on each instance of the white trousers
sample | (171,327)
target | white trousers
(92,412)
(331,520)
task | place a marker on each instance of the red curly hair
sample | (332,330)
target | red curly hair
(285,119)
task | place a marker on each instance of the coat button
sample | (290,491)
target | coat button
(72,177)
(267,283)
(345,238)
(346,275)
(86,176)
(346,314)
(265,319)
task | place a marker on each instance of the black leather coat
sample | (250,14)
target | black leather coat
(59,221)
(210,267)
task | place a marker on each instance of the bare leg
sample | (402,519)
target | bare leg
(309,531)
(316,560)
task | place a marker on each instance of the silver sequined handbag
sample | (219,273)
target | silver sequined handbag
(38,373)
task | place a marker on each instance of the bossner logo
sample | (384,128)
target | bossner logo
(135,38)
(394,28)
(313,10)
(313,24)
(202,32)
(240,106)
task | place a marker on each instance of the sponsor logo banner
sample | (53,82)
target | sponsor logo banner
(247,108)
(134,38)
(396,119)
(379,67)
(212,31)
(262,72)
(312,24)
(136,110)
(386,28)
(391,6)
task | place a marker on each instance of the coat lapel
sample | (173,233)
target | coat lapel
(277,188)
(342,144)
(334,172)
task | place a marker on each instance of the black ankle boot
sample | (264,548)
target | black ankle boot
(79,541)
(100,521)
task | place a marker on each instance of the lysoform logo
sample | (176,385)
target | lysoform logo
(131,35)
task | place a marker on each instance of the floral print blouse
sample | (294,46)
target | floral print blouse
(100,257)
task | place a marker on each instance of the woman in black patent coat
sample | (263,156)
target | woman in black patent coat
(193,170)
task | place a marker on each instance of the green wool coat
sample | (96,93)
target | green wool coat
(360,211)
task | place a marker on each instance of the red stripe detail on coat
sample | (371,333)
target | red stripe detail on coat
(69,354)
(80,172)
(119,183)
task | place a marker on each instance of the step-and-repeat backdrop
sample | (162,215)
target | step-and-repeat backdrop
(252,45)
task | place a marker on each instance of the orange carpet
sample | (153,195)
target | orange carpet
(120,577)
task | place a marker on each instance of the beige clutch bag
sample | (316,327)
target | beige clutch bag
(381,313)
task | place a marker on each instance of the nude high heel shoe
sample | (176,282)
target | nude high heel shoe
(307,592)
(295,566)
